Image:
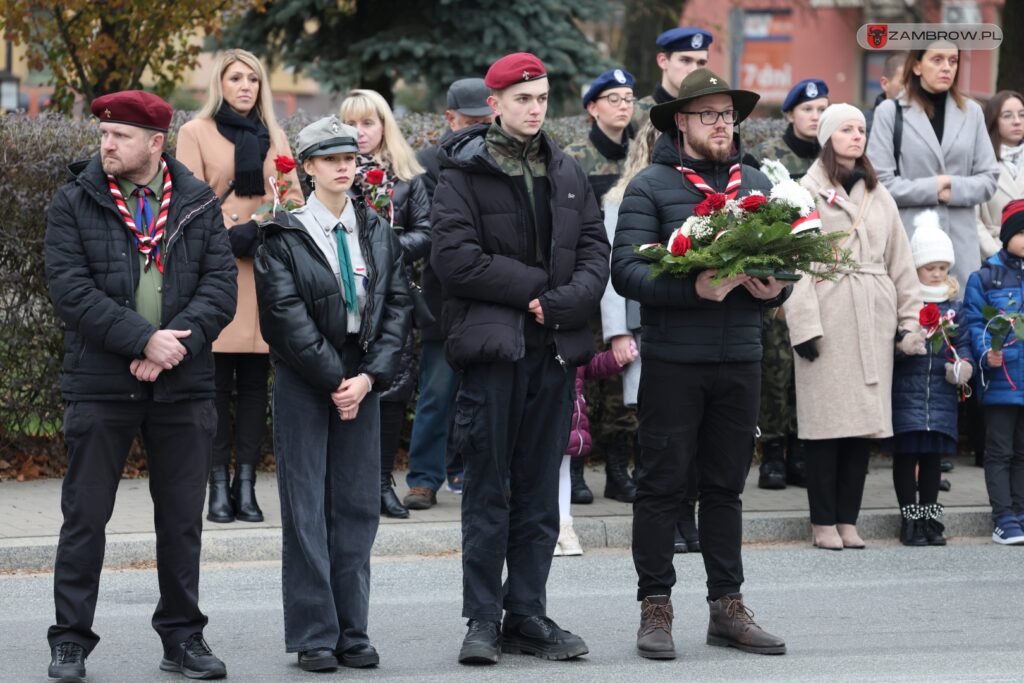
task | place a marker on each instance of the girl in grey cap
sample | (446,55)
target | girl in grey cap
(335,310)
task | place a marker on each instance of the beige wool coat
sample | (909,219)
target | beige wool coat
(211,157)
(990,214)
(847,391)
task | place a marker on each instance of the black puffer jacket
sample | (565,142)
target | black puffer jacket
(92,267)
(430,159)
(677,325)
(480,255)
(302,310)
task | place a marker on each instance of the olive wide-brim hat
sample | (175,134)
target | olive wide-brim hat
(700,83)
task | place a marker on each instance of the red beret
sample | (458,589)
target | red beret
(518,67)
(134,108)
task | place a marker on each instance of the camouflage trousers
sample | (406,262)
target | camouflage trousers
(612,423)
(778,388)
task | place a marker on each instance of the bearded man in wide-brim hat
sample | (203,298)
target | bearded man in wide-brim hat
(701,353)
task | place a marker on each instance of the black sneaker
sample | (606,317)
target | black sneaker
(68,662)
(319,659)
(193,659)
(482,644)
(359,656)
(540,637)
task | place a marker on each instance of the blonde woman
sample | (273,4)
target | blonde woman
(387,167)
(231,144)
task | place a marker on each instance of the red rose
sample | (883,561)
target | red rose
(753,202)
(680,245)
(929,316)
(375,176)
(284,164)
(714,202)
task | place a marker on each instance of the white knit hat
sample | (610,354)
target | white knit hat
(930,243)
(833,117)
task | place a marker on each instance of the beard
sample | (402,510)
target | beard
(711,151)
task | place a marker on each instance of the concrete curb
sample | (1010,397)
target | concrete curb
(251,545)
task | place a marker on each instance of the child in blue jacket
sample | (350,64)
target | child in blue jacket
(925,392)
(1000,283)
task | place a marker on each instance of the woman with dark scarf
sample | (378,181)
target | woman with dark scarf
(389,178)
(232,144)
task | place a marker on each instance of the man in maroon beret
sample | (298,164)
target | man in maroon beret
(141,274)
(520,250)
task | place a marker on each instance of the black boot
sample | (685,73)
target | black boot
(221,509)
(390,506)
(618,484)
(931,527)
(912,526)
(243,494)
(796,463)
(773,464)
(679,544)
(580,493)
(687,526)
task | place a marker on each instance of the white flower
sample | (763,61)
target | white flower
(695,227)
(733,207)
(775,171)
(791,192)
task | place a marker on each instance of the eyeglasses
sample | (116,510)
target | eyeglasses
(1012,116)
(615,99)
(710,118)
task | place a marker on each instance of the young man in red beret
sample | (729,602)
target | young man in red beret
(521,253)
(140,272)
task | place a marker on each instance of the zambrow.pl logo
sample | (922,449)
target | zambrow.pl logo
(878,35)
(922,36)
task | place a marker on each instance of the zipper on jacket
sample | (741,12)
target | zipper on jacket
(928,394)
(364,244)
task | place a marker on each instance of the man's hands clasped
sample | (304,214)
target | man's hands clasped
(163,352)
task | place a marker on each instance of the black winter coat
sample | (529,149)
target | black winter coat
(302,309)
(480,255)
(92,267)
(922,399)
(430,160)
(677,326)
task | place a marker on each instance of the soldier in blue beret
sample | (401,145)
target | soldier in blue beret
(681,50)
(609,102)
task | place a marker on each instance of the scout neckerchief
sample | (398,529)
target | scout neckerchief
(347,277)
(151,233)
(732,188)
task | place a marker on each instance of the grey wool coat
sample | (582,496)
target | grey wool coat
(847,390)
(620,316)
(965,154)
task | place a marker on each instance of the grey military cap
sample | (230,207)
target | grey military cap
(326,136)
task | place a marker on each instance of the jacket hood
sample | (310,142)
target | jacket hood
(467,150)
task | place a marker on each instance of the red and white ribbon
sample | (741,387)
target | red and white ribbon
(811,221)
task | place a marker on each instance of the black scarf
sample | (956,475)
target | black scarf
(661,95)
(804,149)
(252,141)
(850,178)
(609,149)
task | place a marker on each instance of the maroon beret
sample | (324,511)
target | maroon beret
(134,108)
(518,67)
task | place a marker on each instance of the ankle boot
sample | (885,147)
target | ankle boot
(731,624)
(911,526)
(618,485)
(796,463)
(654,637)
(579,492)
(390,506)
(931,527)
(773,464)
(243,494)
(221,510)
(687,526)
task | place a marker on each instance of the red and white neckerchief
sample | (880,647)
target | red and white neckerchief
(149,240)
(731,189)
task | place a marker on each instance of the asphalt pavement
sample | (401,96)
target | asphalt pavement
(887,613)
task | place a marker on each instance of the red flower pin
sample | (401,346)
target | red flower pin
(284,164)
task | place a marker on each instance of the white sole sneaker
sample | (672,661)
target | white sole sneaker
(1006,540)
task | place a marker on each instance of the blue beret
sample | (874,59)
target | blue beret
(804,91)
(684,39)
(616,78)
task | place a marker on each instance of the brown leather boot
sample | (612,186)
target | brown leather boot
(654,637)
(732,625)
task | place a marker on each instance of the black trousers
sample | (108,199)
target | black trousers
(511,425)
(703,413)
(392,419)
(178,439)
(246,375)
(836,469)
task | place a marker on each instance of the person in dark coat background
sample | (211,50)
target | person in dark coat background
(140,272)
(522,257)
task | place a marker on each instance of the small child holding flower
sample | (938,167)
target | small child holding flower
(992,305)
(925,389)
